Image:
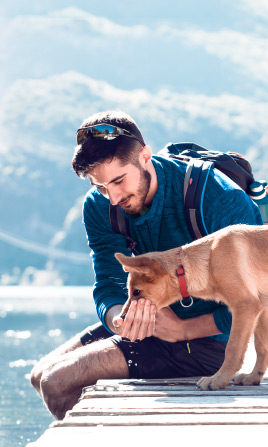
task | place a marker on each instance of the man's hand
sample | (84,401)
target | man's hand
(142,321)
(168,326)
(139,322)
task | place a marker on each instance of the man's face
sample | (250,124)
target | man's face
(124,185)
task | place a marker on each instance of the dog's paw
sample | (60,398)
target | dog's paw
(248,379)
(211,383)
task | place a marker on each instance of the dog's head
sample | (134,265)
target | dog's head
(147,279)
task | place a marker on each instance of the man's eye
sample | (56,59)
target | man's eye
(136,292)
(118,182)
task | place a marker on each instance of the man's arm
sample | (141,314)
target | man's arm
(142,321)
(110,279)
(171,328)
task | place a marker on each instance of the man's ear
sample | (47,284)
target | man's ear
(140,264)
(145,155)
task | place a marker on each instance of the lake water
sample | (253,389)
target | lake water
(33,321)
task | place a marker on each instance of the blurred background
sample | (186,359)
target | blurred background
(186,71)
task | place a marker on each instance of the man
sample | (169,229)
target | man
(184,340)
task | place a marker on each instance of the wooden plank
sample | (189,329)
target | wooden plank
(168,387)
(185,381)
(258,392)
(202,435)
(159,411)
(174,401)
(165,420)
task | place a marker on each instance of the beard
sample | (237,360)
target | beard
(141,194)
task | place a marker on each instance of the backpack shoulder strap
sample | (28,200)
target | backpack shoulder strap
(195,181)
(120,225)
(118,221)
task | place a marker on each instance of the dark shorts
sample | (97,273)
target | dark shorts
(153,358)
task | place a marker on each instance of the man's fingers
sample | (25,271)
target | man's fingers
(117,322)
(137,322)
(143,329)
(129,318)
(151,326)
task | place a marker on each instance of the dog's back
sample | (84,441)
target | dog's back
(244,249)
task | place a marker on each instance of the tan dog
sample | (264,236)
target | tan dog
(231,266)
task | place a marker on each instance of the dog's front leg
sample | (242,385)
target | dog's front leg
(244,317)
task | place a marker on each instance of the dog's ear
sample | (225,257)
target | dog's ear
(140,264)
(132,263)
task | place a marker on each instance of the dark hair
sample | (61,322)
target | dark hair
(92,152)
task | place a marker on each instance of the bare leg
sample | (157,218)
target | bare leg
(61,384)
(51,358)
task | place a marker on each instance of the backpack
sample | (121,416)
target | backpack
(199,163)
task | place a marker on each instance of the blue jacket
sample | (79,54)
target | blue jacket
(163,227)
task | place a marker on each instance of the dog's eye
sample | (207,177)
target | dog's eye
(136,292)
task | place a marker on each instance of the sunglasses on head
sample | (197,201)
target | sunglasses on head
(103,132)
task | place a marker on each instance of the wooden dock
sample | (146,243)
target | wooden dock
(157,412)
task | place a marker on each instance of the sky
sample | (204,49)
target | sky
(185,71)
(182,61)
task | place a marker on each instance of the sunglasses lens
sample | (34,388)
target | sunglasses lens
(105,132)
(102,132)
(82,135)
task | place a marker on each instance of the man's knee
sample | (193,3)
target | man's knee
(60,381)
(39,371)
(49,359)
(57,399)
(56,383)
(35,377)
(50,385)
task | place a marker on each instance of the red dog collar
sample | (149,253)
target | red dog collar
(183,287)
(182,282)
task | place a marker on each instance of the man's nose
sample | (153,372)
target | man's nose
(114,196)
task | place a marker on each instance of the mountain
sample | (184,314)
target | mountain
(182,74)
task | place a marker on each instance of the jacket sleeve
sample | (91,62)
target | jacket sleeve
(226,204)
(110,279)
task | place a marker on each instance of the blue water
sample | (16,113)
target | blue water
(27,332)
